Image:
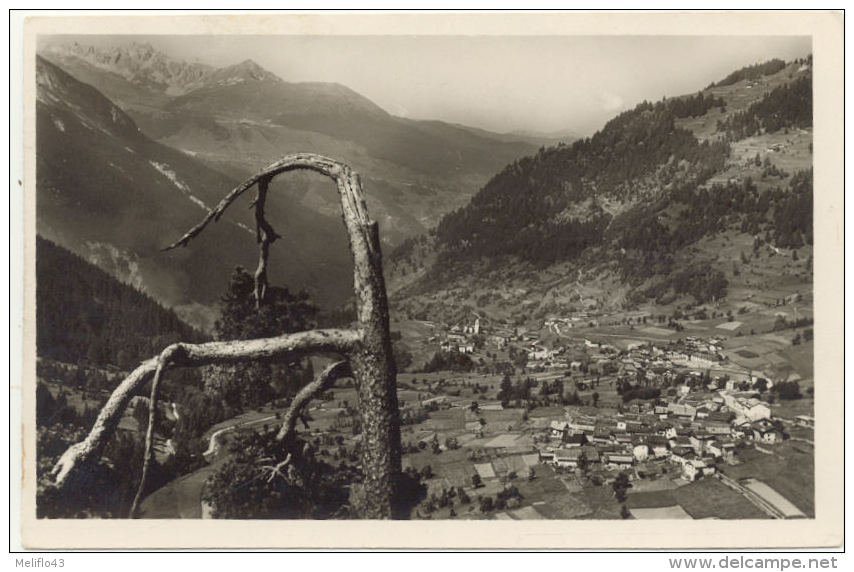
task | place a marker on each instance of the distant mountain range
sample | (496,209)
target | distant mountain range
(134,146)
(664,205)
(112,195)
(239,118)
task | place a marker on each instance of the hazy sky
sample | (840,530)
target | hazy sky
(537,83)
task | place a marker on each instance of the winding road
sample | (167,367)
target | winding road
(214,443)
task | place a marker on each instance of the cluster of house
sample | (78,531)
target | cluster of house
(656,364)
(691,352)
(539,355)
(460,337)
(457,342)
(694,433)
(696,352)
(596,353)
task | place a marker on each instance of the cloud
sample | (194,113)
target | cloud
(610,101)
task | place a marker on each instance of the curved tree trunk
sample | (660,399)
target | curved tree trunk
(368,349)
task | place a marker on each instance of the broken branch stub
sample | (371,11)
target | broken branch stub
(265,236)
(369,349)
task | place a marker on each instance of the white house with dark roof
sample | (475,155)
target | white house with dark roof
(766,432)
(680,455)
(715,448)
(658,447)
(619,460)
(750,408)
(640,450)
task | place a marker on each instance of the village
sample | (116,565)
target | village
(515,423)
(649,418)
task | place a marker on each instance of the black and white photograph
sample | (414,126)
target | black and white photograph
(311,276)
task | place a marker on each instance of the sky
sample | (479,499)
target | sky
(544,84)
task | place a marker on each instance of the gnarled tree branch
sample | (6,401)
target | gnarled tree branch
(310,161)
(273,471)
(280,348)
(323,382)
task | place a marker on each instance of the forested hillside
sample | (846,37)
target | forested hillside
(81,311)
(786,107)
(524,206)
(628,203)
(752,72)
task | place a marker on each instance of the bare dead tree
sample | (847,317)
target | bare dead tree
(367,350)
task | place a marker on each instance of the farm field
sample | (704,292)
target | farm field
(706,498)
(789,471)
(602,503)
(710,498)
(651,499)
(773,497)
(649,485)
(789,409)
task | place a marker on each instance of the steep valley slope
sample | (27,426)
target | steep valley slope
(112,195)
(697,200)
